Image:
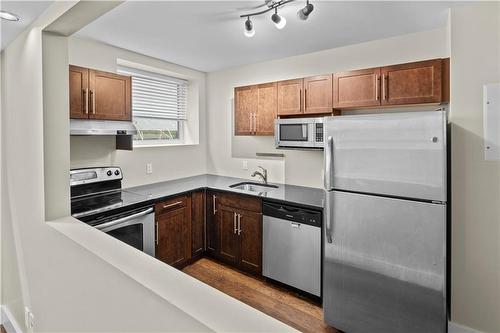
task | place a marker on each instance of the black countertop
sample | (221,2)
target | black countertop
(299,195)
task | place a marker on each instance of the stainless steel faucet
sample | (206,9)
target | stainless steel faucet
(263,174)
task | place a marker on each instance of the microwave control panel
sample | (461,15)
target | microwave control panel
(319,132)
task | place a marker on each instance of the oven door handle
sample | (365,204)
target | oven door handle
(123,219)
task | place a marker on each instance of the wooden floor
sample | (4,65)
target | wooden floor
(303,314)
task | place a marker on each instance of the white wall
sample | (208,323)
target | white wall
(475,60)
(67,287)
(298,167)
(168,162)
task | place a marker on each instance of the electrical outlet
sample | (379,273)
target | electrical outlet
(245,165)
(149,168)
(29,318)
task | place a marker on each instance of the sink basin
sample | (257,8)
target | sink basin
(254,187)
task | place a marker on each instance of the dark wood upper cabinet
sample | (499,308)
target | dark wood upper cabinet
(290,97)
(110,96)
(99,95)
(198,223)
(78,92)
(245,109)
(359,88)
(267,108)
(412,83)
(173,231)
(318,94)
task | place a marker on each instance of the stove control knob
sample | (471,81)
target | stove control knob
(117,172)
(109,173)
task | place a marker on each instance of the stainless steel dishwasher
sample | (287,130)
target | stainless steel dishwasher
(292,246)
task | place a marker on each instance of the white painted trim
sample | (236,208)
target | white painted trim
(8,321)
(456,328)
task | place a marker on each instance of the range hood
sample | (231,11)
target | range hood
(101,127)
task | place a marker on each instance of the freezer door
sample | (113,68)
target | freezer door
(385,268)
(397,154)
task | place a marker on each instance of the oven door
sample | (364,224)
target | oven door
(136,229)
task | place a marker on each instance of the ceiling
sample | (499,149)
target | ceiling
(27,11)
(208,35)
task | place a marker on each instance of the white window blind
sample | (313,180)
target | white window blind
(157,96)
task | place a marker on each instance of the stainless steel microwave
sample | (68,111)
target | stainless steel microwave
(305,133)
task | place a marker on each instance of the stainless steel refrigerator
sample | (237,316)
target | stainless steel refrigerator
(385,222)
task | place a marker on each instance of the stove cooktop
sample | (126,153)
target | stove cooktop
(99,203)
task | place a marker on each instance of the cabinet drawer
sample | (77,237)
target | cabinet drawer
(171,204)
(240,201)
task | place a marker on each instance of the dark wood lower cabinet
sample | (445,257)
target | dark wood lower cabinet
(228,221)
(225,226)
(173,228)
(239,232)
(198,223)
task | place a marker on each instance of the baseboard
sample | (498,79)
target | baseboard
(8,321)
(456,328)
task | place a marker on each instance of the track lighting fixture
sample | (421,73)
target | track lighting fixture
(249,32)
(278,20)
(8,16)
(303,13)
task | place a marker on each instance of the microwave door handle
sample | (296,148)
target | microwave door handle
(304,131)
(123,219)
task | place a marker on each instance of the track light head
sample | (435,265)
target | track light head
(249,31)
(303,13)
(279,21)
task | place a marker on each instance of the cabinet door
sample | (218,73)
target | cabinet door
(173,219)
(198,223)
(245,110)
(229,240)
(318,94)
(360,88)
(212,224)
(78,92)
(267,108)
(413,83)
(110,96)
(250,232)
(290,97)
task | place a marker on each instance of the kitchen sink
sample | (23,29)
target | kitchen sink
(254,187)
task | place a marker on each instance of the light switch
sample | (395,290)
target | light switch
(245,165)
(149,168)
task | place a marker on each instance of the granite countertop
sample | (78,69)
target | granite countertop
(301,195)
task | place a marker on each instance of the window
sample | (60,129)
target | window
(159,107)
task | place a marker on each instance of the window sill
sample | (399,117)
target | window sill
(166,145)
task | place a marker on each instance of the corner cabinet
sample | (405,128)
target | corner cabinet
(99,95)
(255,109)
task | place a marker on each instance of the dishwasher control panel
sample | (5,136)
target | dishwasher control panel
(292,213)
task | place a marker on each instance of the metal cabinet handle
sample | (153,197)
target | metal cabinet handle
(377,83)
(385,84)
(92,96)
(239,224)
(214,197)
(86,97)
(172,205)
(255,122)
(234,224)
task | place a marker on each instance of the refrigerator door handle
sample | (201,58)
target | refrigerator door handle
(328,216)
(328,158)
